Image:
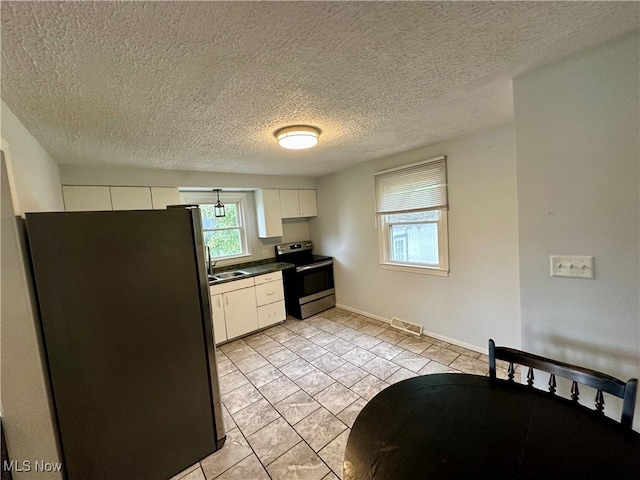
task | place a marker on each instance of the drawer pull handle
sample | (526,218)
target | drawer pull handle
(267,278)
(271,293)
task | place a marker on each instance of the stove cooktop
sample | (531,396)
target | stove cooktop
(298,253)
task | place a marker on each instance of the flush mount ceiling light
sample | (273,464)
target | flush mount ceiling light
(297,137)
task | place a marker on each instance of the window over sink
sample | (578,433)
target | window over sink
(411,213)
(225,236)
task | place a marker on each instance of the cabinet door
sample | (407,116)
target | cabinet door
(240,312)
(308,203)
(163,196)
(289,204)
(271,313)
(219,326)
(131,198)
(268,213)
(79,198)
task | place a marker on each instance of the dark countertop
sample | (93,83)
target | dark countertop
(252,269)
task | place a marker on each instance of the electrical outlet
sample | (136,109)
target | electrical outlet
(265,252)
(575,266)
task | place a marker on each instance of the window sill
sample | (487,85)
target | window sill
(230,259)
(415,269)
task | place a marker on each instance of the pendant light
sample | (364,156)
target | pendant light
(297,137)
(218,208)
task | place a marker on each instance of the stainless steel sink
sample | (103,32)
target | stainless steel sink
(228,275)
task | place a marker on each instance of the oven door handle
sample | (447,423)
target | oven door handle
(315,265)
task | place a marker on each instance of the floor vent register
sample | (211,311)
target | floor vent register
(405,326)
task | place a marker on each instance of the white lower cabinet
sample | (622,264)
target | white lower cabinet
(234,309)
(246,305)
(269,292)
(219,324)
(271,313)
(240,312)
(270,299)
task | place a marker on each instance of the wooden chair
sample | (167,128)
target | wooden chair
(579,375)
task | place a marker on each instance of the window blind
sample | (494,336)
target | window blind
(419,186)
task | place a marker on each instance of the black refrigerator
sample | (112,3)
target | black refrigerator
(124,307)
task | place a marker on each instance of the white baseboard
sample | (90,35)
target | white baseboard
(453,341)
(362,312)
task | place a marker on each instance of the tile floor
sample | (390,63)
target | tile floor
(291,393)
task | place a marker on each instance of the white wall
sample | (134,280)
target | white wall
(26,408)
(153,177)
(578,136)
(480,298)
(33,175)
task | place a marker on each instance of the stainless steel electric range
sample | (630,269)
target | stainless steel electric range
(308,288)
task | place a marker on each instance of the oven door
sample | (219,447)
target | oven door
(314,281)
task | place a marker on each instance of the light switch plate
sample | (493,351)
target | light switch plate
(574,266)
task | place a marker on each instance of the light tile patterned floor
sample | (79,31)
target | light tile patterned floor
(291,393)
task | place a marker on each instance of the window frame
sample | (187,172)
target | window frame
(396,177)
(238,198)
(384,243)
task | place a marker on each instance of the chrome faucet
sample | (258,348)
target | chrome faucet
(209,265)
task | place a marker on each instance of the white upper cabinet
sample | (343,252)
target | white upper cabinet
(298,203)
(86,198)
(81,198)
(289,203)
(131,198)
(308,203)
(163,196)
(268,213)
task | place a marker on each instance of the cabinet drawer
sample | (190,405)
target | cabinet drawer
(231,286)
(271,313)
(268,277)
(269,292)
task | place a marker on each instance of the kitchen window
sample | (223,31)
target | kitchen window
(225,236)
(411,212)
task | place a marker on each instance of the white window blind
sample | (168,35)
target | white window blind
(420,186)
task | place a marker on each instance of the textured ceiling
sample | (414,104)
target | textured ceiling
(203,85)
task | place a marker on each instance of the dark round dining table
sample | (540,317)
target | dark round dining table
(454,426)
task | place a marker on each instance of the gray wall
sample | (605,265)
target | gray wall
(480,298)
(577,136)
